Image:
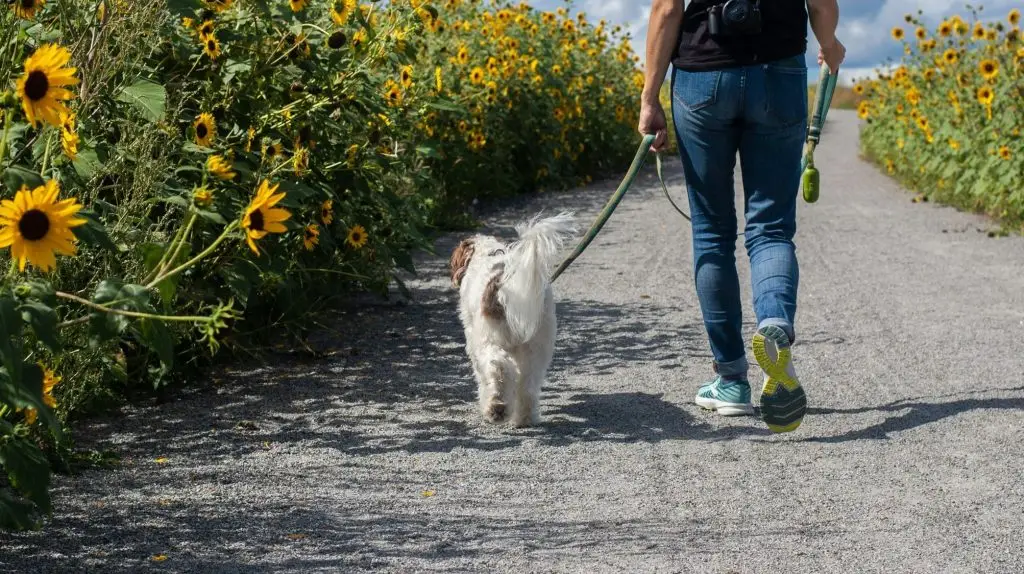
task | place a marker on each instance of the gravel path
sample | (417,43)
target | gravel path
(910,327)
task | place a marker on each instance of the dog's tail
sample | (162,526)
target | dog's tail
(528,270)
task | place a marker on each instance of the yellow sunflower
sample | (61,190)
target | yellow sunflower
(261,217)
(35,225)
(50,380)
(218,5)
(988,69)
(897,33)
(392,93)
(1004,152)
(406,76)
(206,29)
(1013,17)
(476,75)
(250,134)
(205,128)
(864,110)
(979,31)
(27,8)
(342,10)
(950,56)
(437,79)
(327,211)
(297,5)
(219,167)
(202,196)
(985,96)
(69,135)
(211,45)
(357,236)
(273,151)
(310,236)
(300,160)
(462,56)
(945,29)
(921,33)
(43,86)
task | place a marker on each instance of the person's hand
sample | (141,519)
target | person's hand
(652,121)
(832,54)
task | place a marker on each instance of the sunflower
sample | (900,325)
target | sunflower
(945,29)
(897,33)
(988,69)
(1004,152)
(68,135)
(392,93)
(406,76)
(206,29)
(27,8)
(336,40)
(218,5)
(863,110)
(205,128)
(437,78)
(359,38)
(310,236)
(357,236)
(50,380)
(922,122)
(462,56)
(953,144)
(979,32)
(211,45)
(36,226)
(341,11)
(219,167)
(985,96)
(261,217)
(250,134)
(950,56)
(476,75)
(273,151)
(327,211)
(921,33)
(297,5)
(42,86)
(1013,17)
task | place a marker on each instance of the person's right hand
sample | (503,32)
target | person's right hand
(833,55)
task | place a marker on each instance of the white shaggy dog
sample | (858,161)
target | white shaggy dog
(508,312)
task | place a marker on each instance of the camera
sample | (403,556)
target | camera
(735,18)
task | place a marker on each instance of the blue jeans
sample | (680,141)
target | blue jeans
(759,111)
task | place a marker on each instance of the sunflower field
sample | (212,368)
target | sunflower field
(947,121)
(183,177)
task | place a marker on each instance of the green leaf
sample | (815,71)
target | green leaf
(183,7)
(43,320)
(113,294)
(175,200)
(87,163)
(10,337)
(428,151)
(93,233)
(152,252)
(148,97)
(403,260)
(447,106)
(16,176)
(28,470)
(212,216)
(16,513)
(241,278)
(158,337)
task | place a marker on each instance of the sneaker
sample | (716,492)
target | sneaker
(783,402)
(728,398)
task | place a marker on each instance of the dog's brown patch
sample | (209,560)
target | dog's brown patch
(459,262)
(491,306)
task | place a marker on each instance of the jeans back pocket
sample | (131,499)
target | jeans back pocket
(786,91)
(695,90)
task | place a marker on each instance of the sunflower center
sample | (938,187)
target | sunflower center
(211,45)
(34,225)
(356,237)
(37,85)
(256,220)
(201,131)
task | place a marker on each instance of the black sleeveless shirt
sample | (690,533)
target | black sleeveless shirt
(783,34)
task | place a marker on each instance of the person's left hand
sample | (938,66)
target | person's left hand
(652,121)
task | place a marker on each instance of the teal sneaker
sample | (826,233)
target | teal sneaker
(783,401)
(728,398)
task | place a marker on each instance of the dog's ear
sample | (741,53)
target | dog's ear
(459,262)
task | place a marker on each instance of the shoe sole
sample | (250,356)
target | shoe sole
(725,409)
(783,401)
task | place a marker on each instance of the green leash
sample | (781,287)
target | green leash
(810,178)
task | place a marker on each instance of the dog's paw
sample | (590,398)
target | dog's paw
(496,412)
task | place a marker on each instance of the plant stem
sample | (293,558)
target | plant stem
(224,235)
(136,314)
(46,154)
(163,257)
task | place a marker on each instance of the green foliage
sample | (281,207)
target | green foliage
(228,171)
(947,122)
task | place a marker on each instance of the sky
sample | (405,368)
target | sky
(864,25)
